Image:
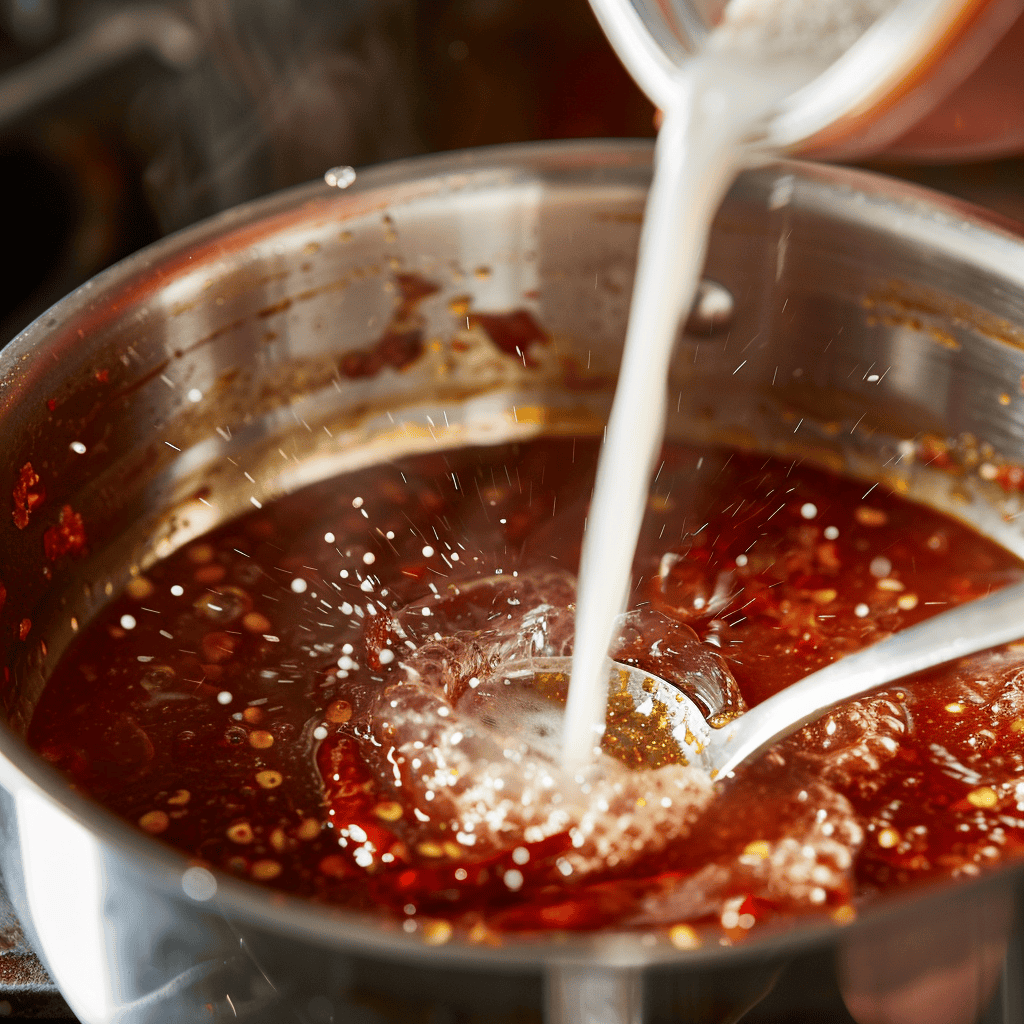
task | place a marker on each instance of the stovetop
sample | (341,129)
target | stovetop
(26,991)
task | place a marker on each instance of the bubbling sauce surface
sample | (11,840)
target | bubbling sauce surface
(307,697)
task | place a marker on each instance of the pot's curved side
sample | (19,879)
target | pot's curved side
(156,402)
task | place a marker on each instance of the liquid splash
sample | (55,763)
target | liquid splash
(474,754)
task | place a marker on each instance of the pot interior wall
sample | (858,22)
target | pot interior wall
(232,363)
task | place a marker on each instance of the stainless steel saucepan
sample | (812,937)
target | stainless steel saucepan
(866,317)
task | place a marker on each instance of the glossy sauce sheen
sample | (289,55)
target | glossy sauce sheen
(217,705)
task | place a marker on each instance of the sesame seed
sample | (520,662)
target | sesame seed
(154,822)
(984,797)
(888,838)
(265,870)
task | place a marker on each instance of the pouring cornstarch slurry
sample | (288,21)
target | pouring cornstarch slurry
(760,54)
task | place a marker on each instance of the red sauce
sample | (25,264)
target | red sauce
(401,344)
(227,701)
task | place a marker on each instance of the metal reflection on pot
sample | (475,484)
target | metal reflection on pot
(255,313)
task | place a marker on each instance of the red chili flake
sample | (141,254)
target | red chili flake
(24,628)
(103,376)
(28,495)
(67,537)
(1010,478)
(514,333)
(934,451)
(334,866)
(750,906)
(827,553)
(51,404)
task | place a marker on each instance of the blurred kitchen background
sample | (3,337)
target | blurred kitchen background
(120,122)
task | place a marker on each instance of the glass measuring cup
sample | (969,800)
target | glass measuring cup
(906,64)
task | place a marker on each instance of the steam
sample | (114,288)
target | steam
(284,90)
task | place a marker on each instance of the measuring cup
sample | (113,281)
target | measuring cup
(905,64)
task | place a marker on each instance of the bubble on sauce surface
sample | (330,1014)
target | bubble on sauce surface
(502,619)
(693,589)
(223,605)
(474,755)
(530,614)
(671,650)
(849,746)
(794,850)
(978,710)
(127,748)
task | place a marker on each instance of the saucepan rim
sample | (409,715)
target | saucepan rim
(872,201)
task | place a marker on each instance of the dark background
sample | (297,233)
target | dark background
(118,124)
(101,154)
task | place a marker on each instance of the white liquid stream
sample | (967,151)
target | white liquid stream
(723,96)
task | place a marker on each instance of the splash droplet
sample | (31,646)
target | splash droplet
(340,177)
